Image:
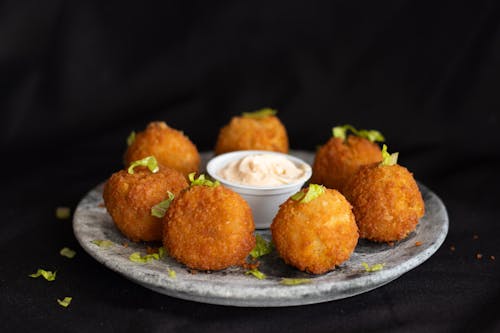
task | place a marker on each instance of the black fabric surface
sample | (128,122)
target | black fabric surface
(77,77)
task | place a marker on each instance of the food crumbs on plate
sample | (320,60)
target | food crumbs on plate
(251,265)
(475,237)
(192,271)
(65,302)
(101,205)
(125,244)
(151,250)
(479,256)
(492,257)
(391,244)
(63,213)
(418,243)
(452,248)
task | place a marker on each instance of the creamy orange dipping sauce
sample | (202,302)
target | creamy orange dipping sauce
(263,170)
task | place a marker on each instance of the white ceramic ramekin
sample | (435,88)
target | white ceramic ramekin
(264,201)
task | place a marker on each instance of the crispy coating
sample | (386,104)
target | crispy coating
(242,133)
(170,147)
(209,228)
(130,197)
(337,161)
(386,202)
(315,236)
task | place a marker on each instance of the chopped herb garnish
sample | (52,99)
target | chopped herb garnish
(171,273)
(374,268)
(372,135)
(262,247)
(160,209)
(255,272)
(131,138)
(136,257)
(47,275)
(149,162)
(202,181)
(388,159)
(294,282)
(103,243)
(67,252)
(63,213)
(313,191)
(259,114)
(65,302)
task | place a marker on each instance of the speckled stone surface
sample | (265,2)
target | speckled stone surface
(233,287)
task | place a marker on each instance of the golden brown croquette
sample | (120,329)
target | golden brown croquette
(130,197)
(386,202)
(337,161)
(315,236)
(209,228)
(169,146)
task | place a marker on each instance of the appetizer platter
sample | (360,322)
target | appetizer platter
(253,231)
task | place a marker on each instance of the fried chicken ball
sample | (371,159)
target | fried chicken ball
(247,133)
(386,202)
(338,160)
(170,147)
(209,228)
(315,236)
(130,197)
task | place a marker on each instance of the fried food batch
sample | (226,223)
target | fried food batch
(169,146)
(386,200)
(339,159)
(260,130)
(315,230)
(129,195)
(209,227)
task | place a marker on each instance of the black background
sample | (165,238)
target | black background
(77,77)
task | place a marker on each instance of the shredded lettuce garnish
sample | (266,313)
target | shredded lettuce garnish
(47,275)
(103,243)
(294,282)
(131,138)
(136,257)
(374,268)
(388,159)
(372,135)
(63,213)
(312,193)
(171,273)
(67,252)
(255,272)
(65,302)
(162,252)
(202,181)
(149,162)
(259,114)
(160,209)
(262,247)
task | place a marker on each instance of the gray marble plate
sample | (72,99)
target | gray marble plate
(232,287)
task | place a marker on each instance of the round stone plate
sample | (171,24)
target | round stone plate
(233,287)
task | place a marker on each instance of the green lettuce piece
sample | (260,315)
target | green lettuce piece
(374,268)
(67,252)
(294,282)
(47,275)
(262,247)
(136,257)
(103,243)
(255,272)
(63,213)
(202,181)
(149,162)
(162,252)
(65,302)
(372,135)
(171,273)
(160,209)
(259,114)
(388,159)
(131,138)
(313,192)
